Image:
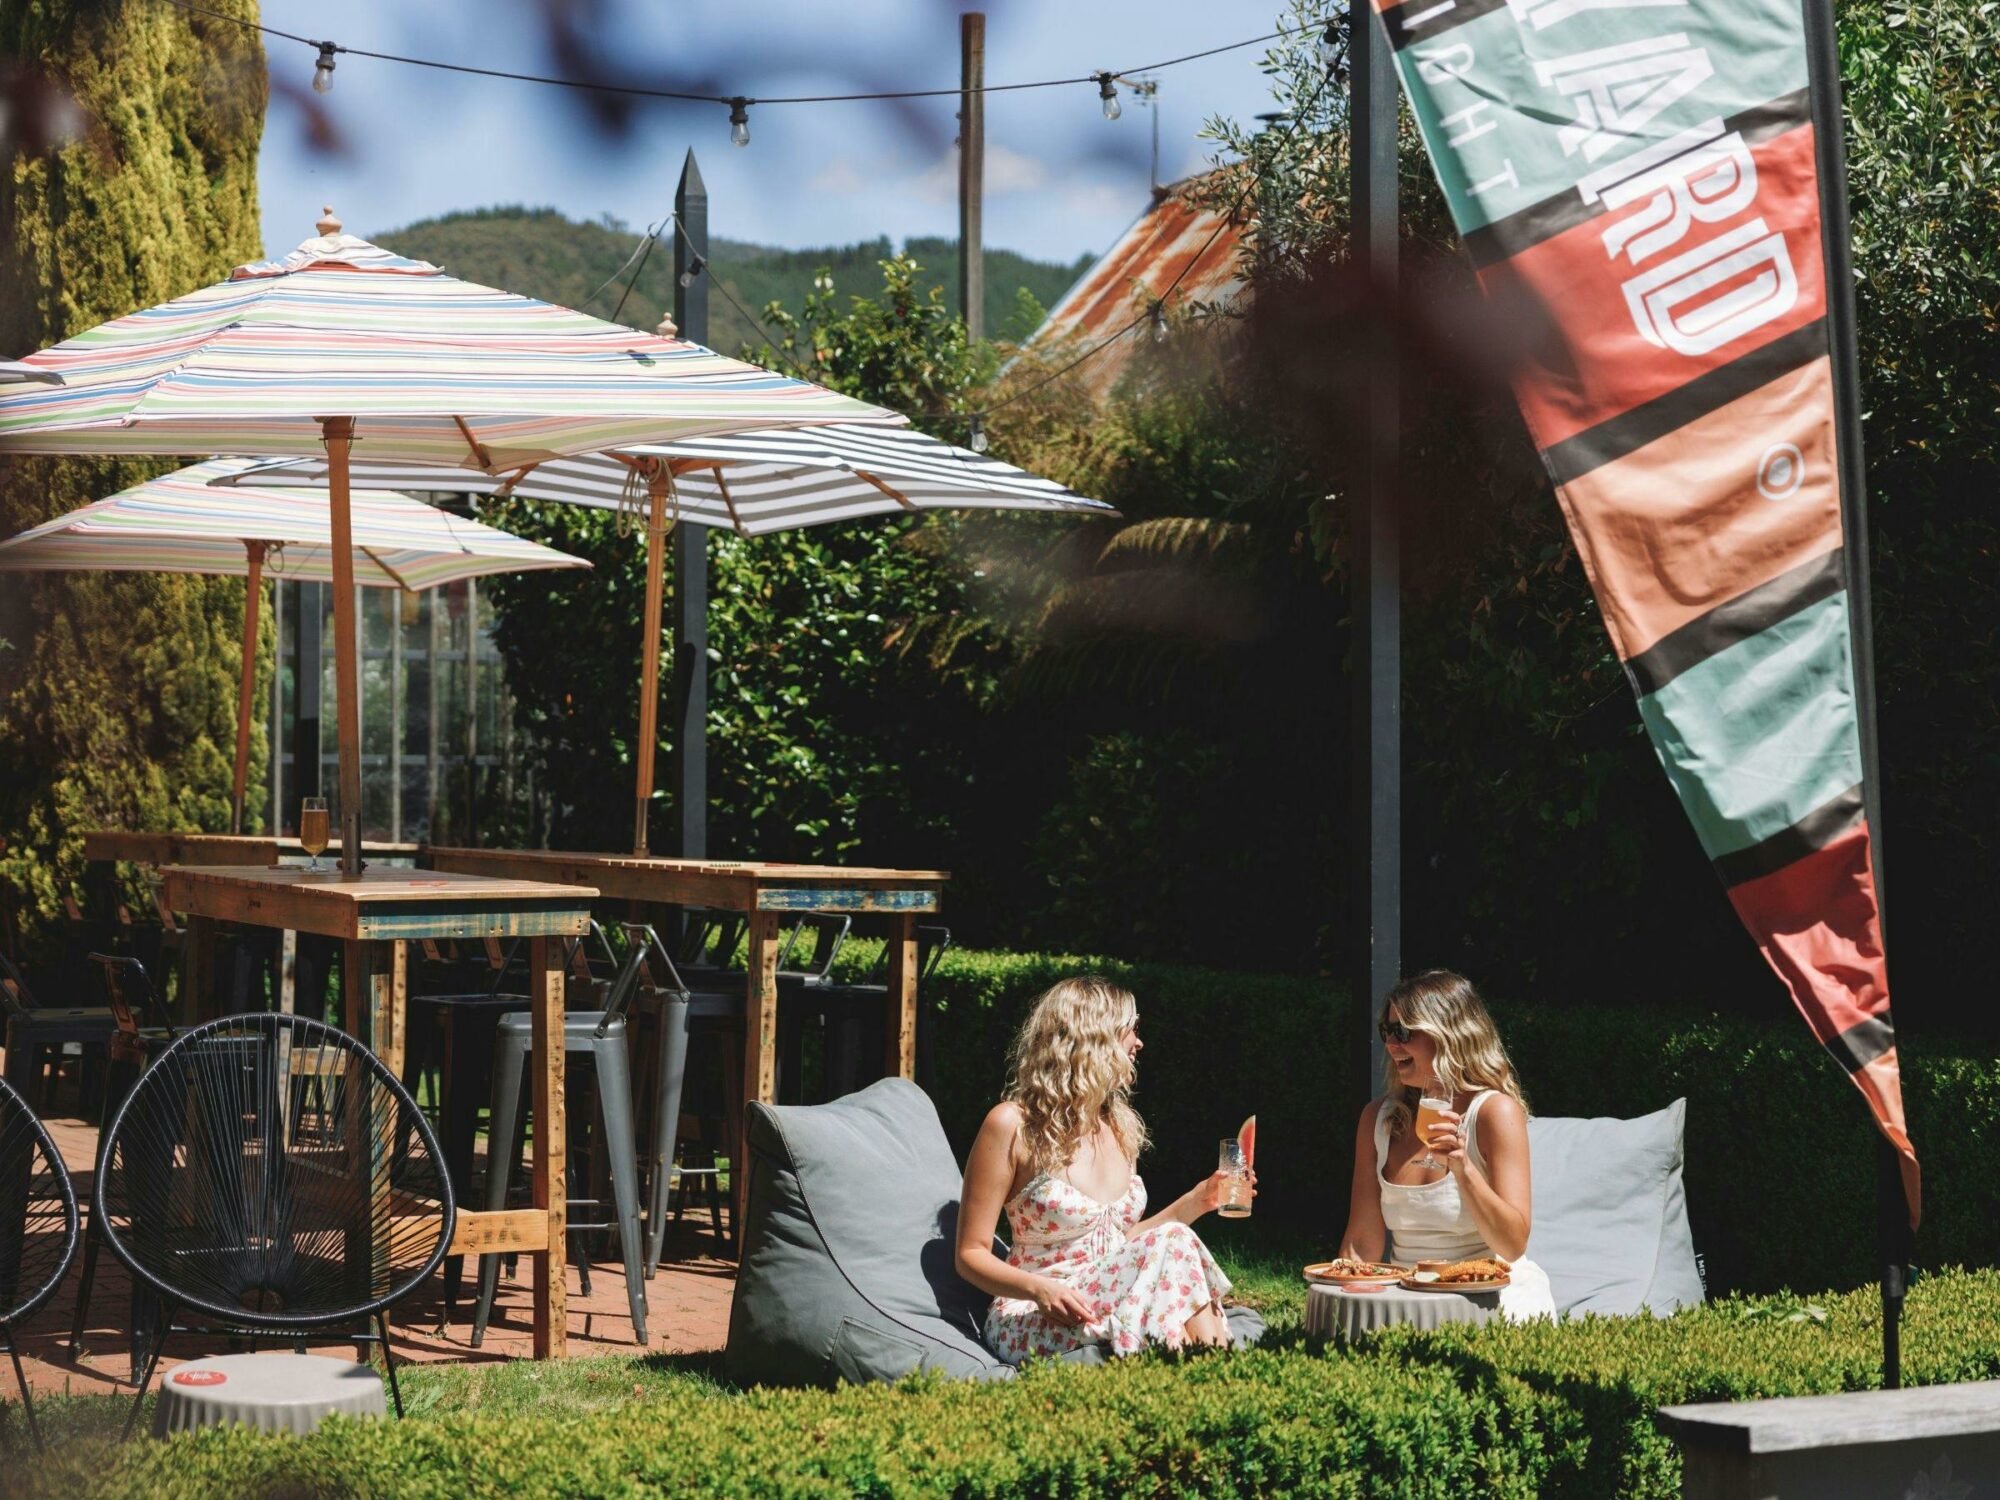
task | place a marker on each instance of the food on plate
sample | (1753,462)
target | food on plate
(1459,1272)
(1347,1266)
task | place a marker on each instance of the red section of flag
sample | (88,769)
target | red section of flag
(1819,925)
(1612,333)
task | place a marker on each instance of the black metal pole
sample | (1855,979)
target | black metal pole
(1376,605)
(690,697)
(1893,1232)
(972,172)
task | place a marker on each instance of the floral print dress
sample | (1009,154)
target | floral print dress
(1141,1290)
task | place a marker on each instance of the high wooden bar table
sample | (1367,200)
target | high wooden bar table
(766,893)
(374,917)
(104,847)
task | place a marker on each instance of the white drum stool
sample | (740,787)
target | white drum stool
(270,1392)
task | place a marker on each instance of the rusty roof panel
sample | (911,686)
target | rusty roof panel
(1170,238)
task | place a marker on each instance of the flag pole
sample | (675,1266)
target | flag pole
(1895,1214)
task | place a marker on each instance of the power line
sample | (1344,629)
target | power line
(591,85)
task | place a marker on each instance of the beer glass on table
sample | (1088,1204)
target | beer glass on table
(1235,1202)
(1430,1116)
(313,830)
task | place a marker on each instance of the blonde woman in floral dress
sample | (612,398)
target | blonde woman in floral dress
(1059,1156)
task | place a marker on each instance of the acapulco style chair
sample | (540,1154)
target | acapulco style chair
(37,1245)
(270,1175)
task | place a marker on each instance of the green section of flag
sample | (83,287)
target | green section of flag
(1759,735)
(1503,102)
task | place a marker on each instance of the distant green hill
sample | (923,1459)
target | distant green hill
(540,253)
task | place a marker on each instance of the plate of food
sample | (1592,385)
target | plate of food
(1483,1275)
(1346,1271)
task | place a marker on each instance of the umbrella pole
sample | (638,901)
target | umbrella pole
(339,432)
(649,655)
(253,597)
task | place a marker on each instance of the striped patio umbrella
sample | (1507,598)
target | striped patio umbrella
(342,343)
(752,483)
(183,523)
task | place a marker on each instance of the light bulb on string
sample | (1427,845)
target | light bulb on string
(323,71)
(739,121)
(695,268)
(1330,50)
(977,441)
(1107,91)
(1159,322)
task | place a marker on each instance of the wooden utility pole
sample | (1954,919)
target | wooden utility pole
(1376,607)
(690,724)
(253,597)
(971,171)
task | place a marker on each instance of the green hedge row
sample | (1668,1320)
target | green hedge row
(1533,1411)
(1780,1152)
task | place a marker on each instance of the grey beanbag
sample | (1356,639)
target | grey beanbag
(1610,1219)
(848,1269)
(848,1239)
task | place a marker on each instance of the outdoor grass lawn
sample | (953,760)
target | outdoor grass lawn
(1509,1411)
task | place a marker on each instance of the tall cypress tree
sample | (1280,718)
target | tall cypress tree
(118,692)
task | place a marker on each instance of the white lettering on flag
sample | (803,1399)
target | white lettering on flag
(1465,125)
(1443,64)
(1710,183)
(1620,90)
(1719,291)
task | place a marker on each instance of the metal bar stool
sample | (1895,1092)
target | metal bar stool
(601,1036)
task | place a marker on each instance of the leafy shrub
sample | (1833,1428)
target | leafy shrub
(1544,1410)
(1780,1160)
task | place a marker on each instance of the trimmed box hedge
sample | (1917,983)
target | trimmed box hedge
(1780,1151)
(1547,1410)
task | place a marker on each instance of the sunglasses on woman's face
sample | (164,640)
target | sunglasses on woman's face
(1394,1031)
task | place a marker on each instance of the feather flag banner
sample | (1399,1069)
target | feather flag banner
(1639,184)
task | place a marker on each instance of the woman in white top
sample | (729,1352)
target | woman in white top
(1442,1045)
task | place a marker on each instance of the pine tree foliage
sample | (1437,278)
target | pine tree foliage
(118,692)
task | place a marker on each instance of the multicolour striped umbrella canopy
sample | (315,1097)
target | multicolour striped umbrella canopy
(751,483)
(433,370)
(185,523)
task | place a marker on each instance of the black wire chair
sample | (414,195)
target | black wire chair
(270,1175)
(37,1244)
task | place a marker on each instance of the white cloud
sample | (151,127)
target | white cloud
(838,176)
(1006,172)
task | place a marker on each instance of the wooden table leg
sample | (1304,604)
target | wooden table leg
(760,1052)
(551,1175)
(357,994)
(388,1020)
(288,973)
(901,1060)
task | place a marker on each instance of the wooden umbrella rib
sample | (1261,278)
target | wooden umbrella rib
(376,558)
(729,500)
(896,495)
(479,454)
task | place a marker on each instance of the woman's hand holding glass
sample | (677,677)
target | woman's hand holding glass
(1207,1195)
(1446,1144)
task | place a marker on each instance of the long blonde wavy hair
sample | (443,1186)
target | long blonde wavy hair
(1068,1072)
(1445,1007)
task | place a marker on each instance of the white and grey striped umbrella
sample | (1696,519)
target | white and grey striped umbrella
(14,372)
(751,483)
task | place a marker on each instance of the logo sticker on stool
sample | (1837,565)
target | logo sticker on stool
(197,1377)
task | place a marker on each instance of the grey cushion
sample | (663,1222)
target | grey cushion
(1610,1220)
(847,1269)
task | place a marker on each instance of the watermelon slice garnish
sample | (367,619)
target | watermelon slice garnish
(1246,1138)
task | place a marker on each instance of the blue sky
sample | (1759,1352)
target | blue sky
(1061,180)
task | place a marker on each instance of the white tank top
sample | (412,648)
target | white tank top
(1429,1221)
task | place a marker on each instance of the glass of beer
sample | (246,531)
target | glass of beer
(1430,1116)
(313,829)
(1235,1202)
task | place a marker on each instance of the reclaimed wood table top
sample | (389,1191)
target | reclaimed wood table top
(154,848)
(383,904)
(730,885)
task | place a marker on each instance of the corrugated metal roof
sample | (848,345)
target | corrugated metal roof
(1168,238)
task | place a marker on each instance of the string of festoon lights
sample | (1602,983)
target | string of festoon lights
(327,52)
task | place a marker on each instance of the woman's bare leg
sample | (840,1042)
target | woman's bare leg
(1207,1327)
